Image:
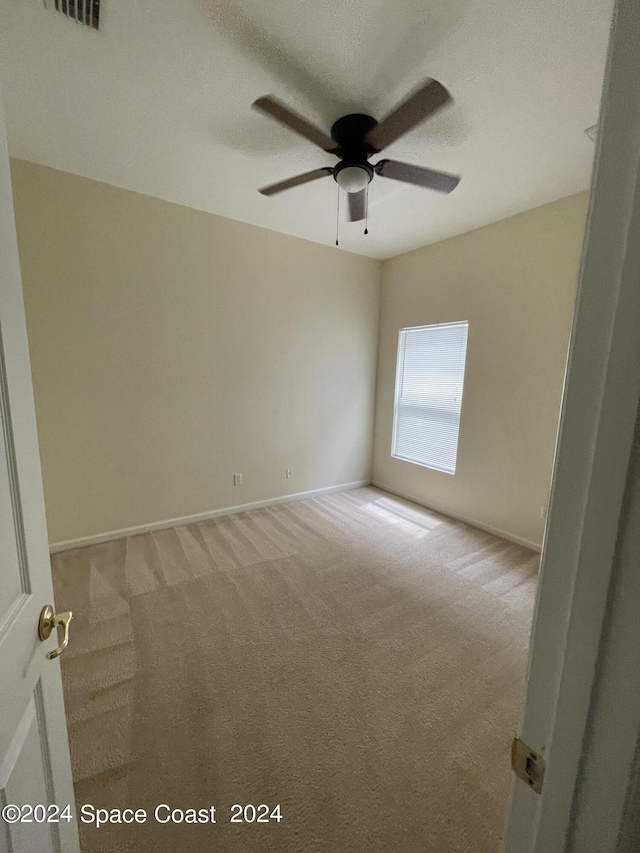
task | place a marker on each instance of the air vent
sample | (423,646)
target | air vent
(81,11)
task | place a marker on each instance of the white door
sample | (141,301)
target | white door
(34,753)
(584,541)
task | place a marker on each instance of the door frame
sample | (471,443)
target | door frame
(597,425)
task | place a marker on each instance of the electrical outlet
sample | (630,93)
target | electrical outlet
(237,479)
(543,512)
(289,473)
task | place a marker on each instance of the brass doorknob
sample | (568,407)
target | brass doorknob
(50,620)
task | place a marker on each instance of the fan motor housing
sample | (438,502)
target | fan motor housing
(349,132)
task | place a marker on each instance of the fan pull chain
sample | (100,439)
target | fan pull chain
(338,218)
(366,212)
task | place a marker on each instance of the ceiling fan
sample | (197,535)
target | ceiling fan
(356,137)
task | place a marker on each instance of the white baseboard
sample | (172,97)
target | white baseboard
(84,541)
(503,534)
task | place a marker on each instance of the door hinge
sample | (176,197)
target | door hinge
(527,764)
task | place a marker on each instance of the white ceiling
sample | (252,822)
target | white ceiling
(159,102)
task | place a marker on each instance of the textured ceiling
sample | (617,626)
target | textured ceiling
(159,102)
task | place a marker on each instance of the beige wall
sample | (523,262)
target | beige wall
(514,281)
(172,348)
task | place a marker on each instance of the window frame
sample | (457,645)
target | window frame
(400,361)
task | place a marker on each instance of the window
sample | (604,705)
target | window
(429,382)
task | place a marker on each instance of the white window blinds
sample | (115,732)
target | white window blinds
(429,382)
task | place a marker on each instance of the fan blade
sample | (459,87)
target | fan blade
(272,189)
(443,182)
(357,205)
(429,98)
(277,110)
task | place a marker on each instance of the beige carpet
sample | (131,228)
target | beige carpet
(354,658)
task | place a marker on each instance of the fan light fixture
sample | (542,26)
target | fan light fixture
(352,179)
